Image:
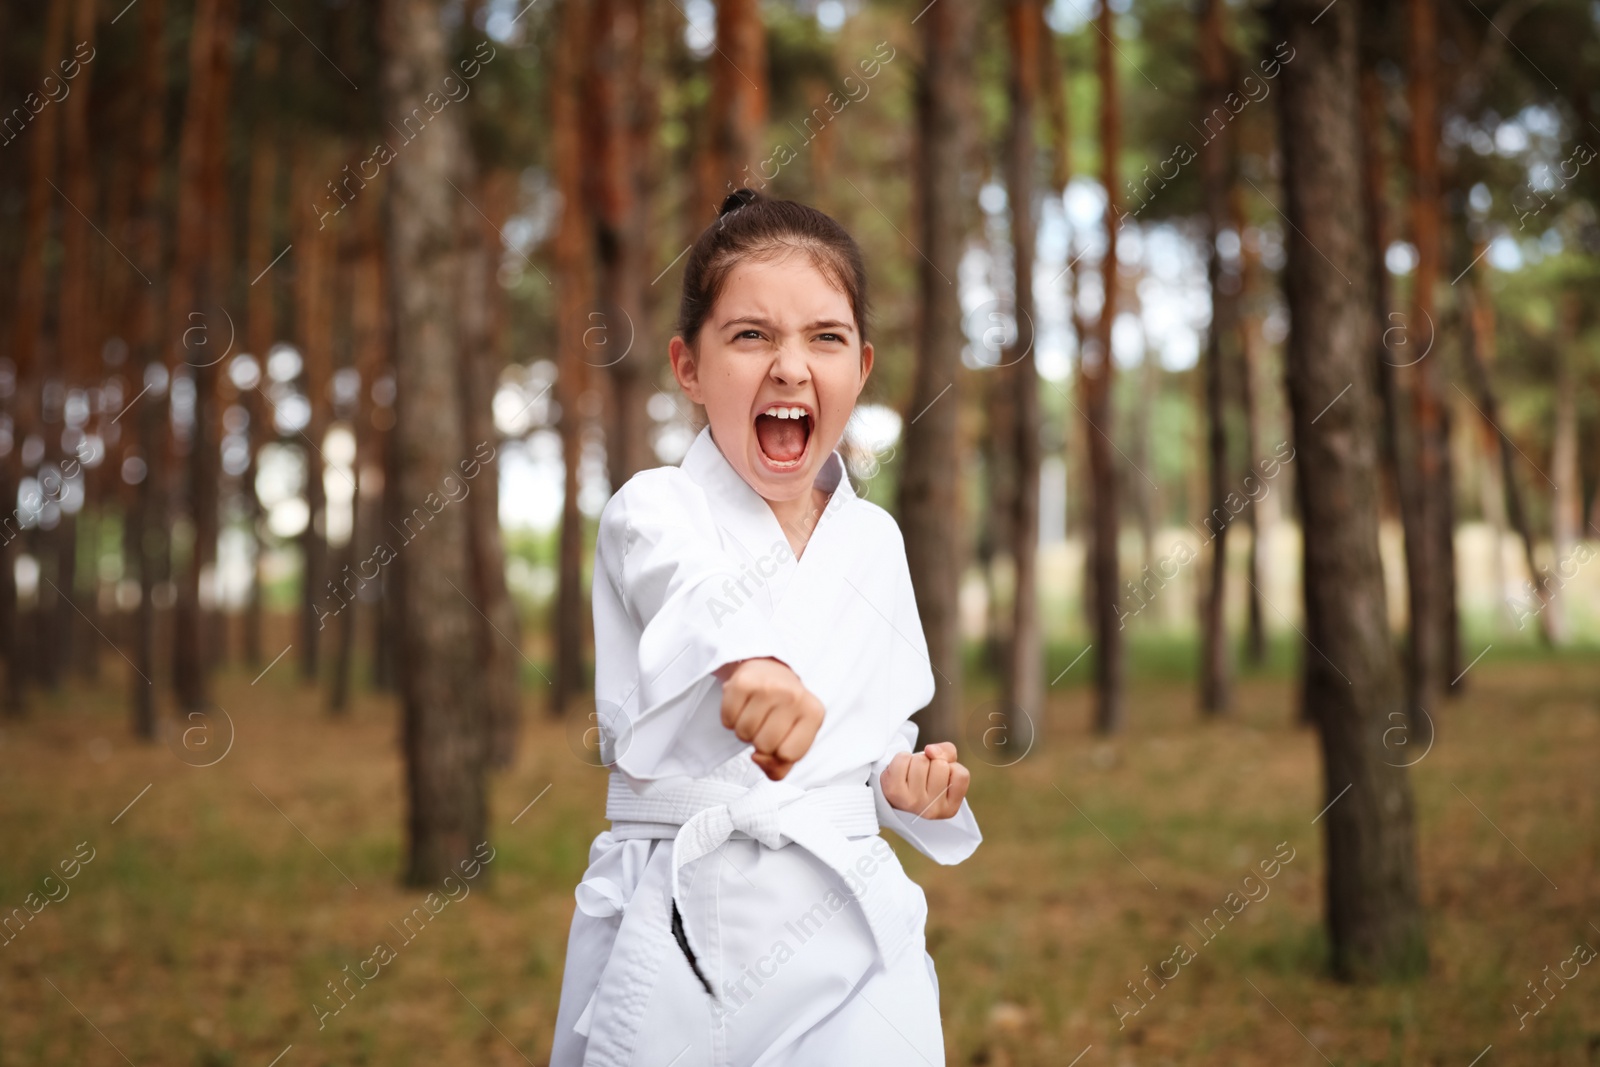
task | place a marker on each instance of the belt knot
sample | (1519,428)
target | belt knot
(756,812)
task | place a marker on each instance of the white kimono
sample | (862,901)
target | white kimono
(805,932)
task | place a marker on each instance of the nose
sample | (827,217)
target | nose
(790,366)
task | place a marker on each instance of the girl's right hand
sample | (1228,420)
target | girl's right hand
(765,703)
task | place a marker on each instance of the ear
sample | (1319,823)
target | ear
(685,368)
(866,365)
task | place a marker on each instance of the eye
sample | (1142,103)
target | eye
(831,337)
(742,334)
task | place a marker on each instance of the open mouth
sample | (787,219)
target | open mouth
(783,433)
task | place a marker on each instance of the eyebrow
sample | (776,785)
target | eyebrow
(821,324)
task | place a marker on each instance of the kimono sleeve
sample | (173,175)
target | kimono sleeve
(661,556)
(945,841)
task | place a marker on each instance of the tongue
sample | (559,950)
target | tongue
(783,440)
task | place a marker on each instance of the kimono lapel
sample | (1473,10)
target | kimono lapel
(824,541)
(747,518)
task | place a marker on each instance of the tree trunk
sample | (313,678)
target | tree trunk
(1097,371)
(261,315)
(314,310)
(12,702)
(369,347)
(1396,345)
(32,277)
(613,90)
(1250,353)
(1491,494)
(147,535)
(196,297)
(76,361)
(1478,355)
(1142,495)
(1395,431)
(738,108)
(211,379)
(572,380)
(994,531)
(1425,554)
(995,537)
(1022,684)
(150,537)
(500,632)
(1352,686)
(385,506)
(1566,501)
(391,593)
(1454,675)
(442,686)
(1217,176)
(929,504)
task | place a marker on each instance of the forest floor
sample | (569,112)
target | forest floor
(220,900)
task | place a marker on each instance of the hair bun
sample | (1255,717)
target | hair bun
(737,199)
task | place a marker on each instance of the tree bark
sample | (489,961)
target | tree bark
(32,278)
(1096,374)
(1250,355)
(1352,686)
(261,315)
(1022,683)
(385,505)
(147,535)
(1141,495)
(1216,161)
(613,91)
(571,380)
(195,298)
(357,579)
(445,705)
(76,361)
(314,310)
(738,108)
(1419,504)
(500,631)
(211,376)
(1426,557)
(929,504)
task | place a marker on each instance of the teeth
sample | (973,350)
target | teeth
(785,412)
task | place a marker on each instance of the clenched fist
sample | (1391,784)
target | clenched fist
(929,783)
(764,703)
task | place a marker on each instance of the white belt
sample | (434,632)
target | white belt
(699,816)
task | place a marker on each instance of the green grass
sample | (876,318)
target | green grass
(207,924)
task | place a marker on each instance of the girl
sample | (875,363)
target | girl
(758,656)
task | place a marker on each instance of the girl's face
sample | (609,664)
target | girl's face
(781,341)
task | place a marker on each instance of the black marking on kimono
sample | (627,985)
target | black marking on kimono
(683,943)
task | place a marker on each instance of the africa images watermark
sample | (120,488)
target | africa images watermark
(384,153)
(16,122)
(1143,993)
(415,921)
(855,91)
(1255,91)
(1581,155)
(734,589)
(14,923)
(1228,509)
(1552,582)
(1582,956)
(383,553)
(52,485)
(737,992)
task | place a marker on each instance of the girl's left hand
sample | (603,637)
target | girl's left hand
(929,783)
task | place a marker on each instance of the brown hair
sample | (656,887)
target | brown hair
(750,225)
